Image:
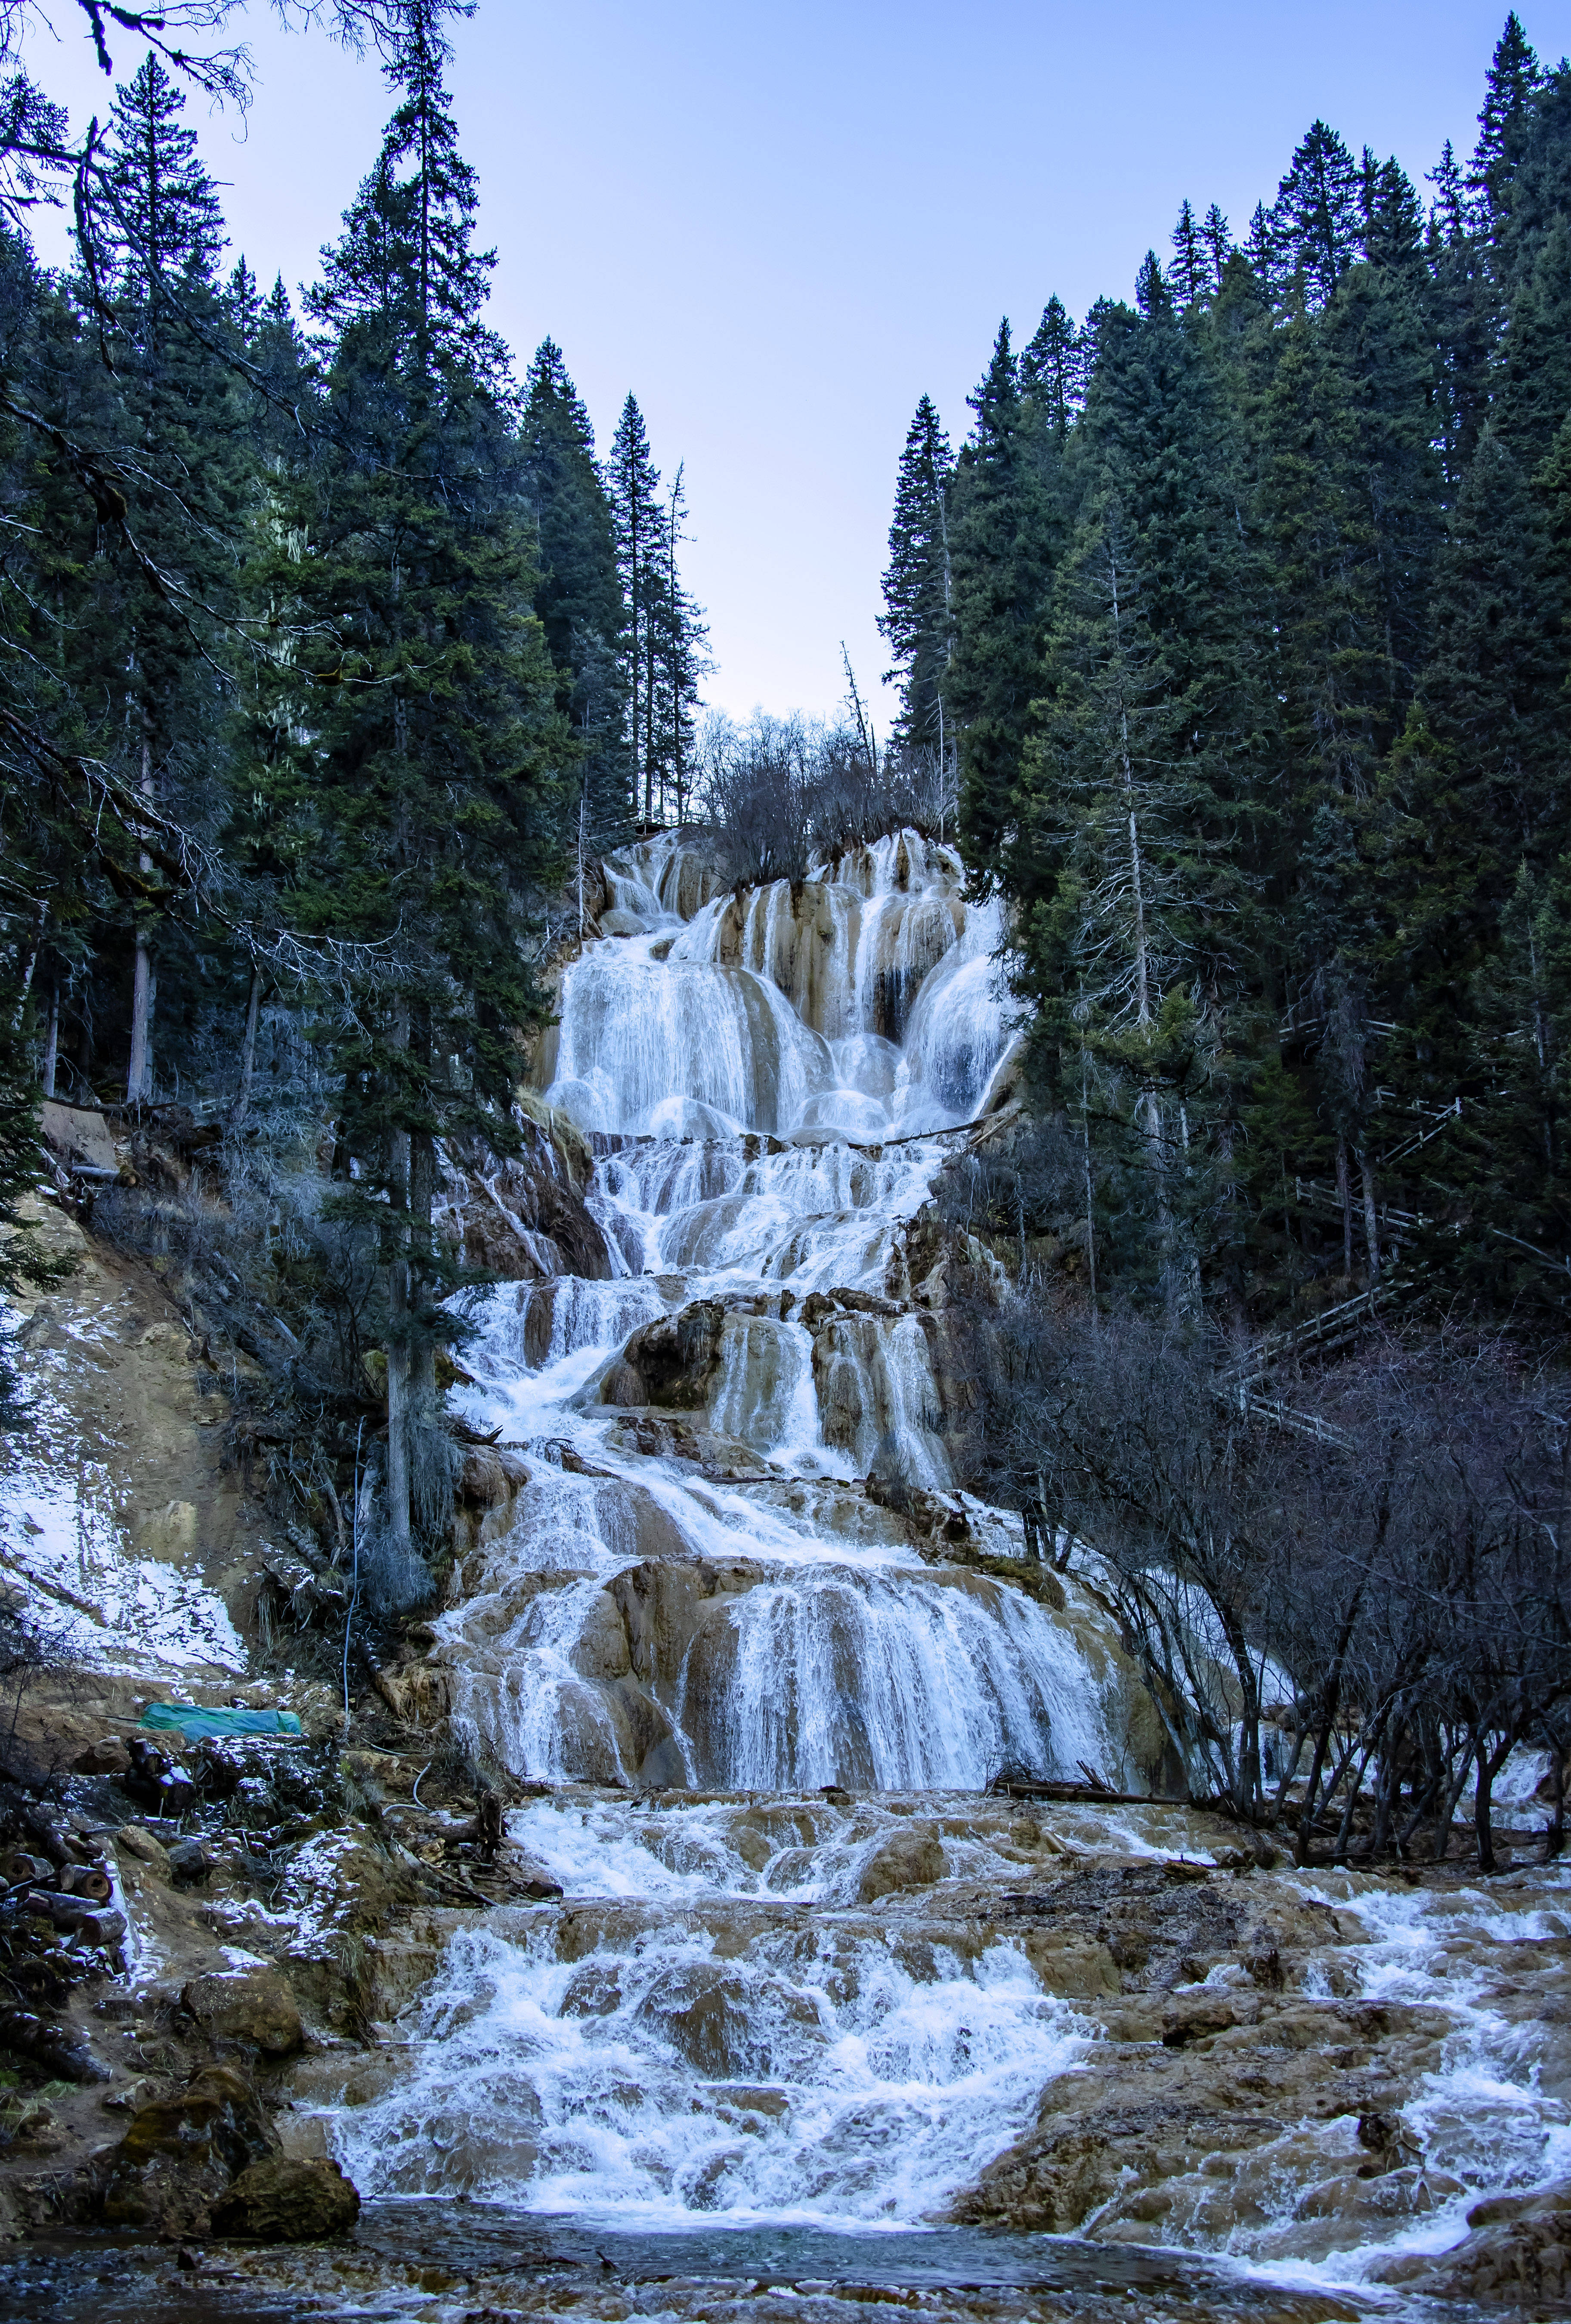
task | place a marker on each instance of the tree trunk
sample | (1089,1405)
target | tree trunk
(51,1041)
(1344,1195)
(138,1084)
(1371,1218)
(139,1073)
(242,1106)
(399,1321)
(1490,1764)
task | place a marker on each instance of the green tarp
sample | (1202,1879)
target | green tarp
(187,1720)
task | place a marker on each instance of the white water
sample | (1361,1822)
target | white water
(733,1611)
(832,1653)
(730,2019)
(706,2056)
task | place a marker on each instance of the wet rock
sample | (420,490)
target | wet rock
(522,1216)
(288,2201)
(912,1859)
(670,1362)
(490,1478)
(1190,2016)
(1518,2256)
(181,2154)
(108,1756)
(253,2007)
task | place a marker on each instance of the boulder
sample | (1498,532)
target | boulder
(133,1840)
(912,1859)
(249,2006)
(179,2154)
(670,1362)
(288,2201)
(108,1756)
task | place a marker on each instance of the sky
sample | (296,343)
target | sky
(778,227)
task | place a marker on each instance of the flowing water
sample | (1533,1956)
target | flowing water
(780,2011)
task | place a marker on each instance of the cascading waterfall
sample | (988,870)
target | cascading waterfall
(695,1590)
(766,1702)
(762,1171)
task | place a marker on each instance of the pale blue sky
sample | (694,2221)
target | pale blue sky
(780,228)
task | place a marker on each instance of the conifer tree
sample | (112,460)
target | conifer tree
(429,701)
(1002,554)
(1052,370)
(1218,244)
(916,622)
(166,219)
(181,408)
(1192,270)
(633,484)
(579,597)
(1504,125)
(1317,218)
(679,657)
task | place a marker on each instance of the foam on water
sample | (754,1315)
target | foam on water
(813,2076)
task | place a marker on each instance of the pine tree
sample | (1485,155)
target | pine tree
(1002,554)
(1052,370)
(181,410)
(681,658)
(633,484)
(242,302)
(1540,189)
(1218,244)
(165,216)
(1504,124)
(916,621)
(1393,219)
(579,597)
(1317,218)
(422,686)
(1192,275)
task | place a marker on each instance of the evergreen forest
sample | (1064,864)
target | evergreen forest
(333,652)
(1243,615)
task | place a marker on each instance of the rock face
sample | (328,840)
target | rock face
(252,2007)
(288,2202)
(523,1215)
(179,2154)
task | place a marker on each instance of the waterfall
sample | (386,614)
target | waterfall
(767,1079)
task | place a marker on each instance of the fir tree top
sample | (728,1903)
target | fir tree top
(406,257)
(167,220)
(1504,121)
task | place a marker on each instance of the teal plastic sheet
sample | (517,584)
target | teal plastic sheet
(185,1719)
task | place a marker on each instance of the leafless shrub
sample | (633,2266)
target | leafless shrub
(1388,1572)
(779,791)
